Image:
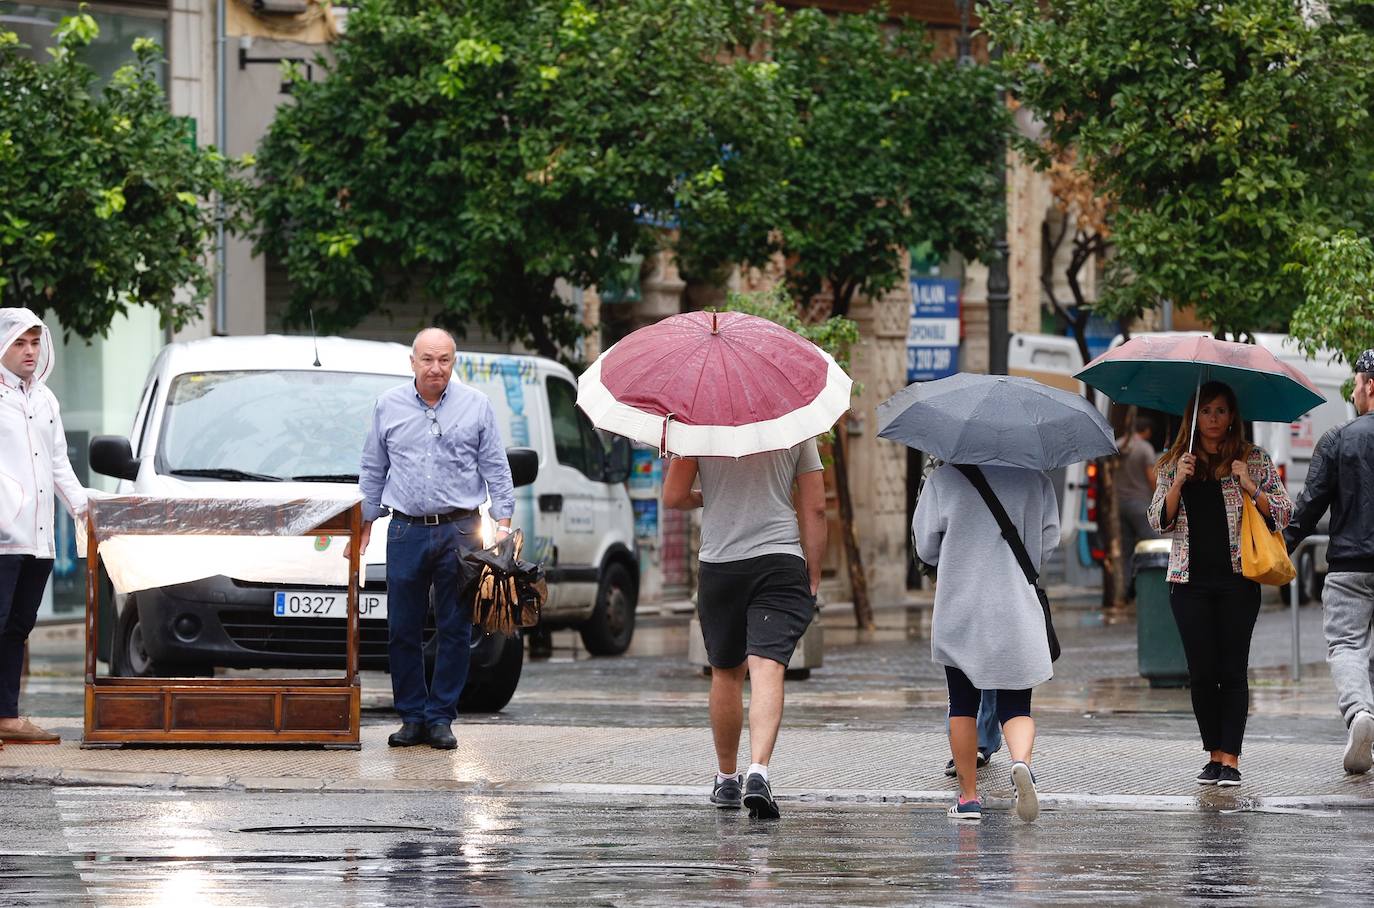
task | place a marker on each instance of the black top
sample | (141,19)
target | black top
(1341,477)
(1209,537)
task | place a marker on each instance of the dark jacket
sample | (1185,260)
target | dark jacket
(1341,477)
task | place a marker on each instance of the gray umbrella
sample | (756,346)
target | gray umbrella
(996,419)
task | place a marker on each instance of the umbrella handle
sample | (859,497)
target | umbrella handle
(1197,399)
(663,440)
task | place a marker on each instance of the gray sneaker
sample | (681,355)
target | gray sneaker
(727,794)
(758,797)
(1357,747)
(1027,800)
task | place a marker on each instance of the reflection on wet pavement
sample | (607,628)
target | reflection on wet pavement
(105,847)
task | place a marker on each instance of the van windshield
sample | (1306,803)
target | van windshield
(268,426)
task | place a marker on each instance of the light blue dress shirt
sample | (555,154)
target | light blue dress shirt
(423,460)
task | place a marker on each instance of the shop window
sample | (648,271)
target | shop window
(34,23)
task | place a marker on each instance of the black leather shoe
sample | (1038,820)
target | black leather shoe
(411,733)
(441,737)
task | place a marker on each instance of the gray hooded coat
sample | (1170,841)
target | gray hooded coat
(987,621)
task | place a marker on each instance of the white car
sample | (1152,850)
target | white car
(282,416)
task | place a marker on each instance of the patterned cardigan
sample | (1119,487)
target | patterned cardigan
(1266,478)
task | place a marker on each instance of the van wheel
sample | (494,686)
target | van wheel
(129,655)
(612,625)
(493,672)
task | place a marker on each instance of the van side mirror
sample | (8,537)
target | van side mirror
(113,456)
(617,461)
(524,465)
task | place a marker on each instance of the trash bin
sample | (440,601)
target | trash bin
(1159,649)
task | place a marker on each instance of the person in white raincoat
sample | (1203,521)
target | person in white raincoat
(33,466)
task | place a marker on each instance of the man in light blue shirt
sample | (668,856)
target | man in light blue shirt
(432,457)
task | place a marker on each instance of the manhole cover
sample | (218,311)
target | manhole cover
(336,828)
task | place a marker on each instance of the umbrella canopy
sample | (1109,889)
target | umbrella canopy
(715,384)
(996,419)
(1164,371)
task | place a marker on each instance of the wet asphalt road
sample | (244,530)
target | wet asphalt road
(115,847)
(121,847)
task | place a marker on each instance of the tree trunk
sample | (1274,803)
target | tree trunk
(858,580)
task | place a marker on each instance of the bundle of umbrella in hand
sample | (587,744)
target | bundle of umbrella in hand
(507,592)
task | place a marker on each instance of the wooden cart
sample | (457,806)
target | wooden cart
(320,711)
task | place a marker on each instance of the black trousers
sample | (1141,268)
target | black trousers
(965,699)
(22,580)
(1216,618)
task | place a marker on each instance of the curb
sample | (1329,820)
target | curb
(166,781)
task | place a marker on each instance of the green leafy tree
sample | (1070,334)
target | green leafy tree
(857,146)
(860,147)
(1220,132)
(1337,312)
(472,154)
(104,203)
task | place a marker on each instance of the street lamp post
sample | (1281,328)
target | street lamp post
(999,283)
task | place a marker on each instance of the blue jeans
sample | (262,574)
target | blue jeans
(421,559)
(22,580)
(989,729)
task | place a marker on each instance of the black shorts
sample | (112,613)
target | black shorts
(755,607)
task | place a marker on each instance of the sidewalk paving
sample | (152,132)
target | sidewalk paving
(866,727)
(811,764)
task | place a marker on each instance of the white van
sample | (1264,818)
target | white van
(286,416)
(1054,360)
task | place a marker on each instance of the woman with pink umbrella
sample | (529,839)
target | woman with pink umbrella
(1198,502)
(1202,483)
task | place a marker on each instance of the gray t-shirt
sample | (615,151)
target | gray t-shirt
(1132,478)
(747,503)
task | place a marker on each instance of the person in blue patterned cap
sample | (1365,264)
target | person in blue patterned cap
(1341,478)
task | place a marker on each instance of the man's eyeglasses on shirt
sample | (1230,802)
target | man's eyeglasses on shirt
(434,427)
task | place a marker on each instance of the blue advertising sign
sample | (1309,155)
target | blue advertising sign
(932,334)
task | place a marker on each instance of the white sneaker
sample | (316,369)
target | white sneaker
(1357,746)
(1027,803)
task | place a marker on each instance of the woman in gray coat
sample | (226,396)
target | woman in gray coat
(988,630)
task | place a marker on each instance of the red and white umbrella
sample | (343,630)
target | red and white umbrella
(715,384)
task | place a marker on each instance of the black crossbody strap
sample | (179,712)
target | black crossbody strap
(1013,538)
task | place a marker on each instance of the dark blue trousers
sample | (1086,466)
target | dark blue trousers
(22,579)
(421,560)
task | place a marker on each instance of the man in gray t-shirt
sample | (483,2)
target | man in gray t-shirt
(1135,486)
(760,568)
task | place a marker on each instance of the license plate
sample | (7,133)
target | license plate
(326,604)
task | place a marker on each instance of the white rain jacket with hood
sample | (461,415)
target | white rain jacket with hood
(33,449)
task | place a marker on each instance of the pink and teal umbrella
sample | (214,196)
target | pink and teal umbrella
(1163,372)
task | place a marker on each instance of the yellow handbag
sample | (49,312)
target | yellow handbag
(1263,553)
